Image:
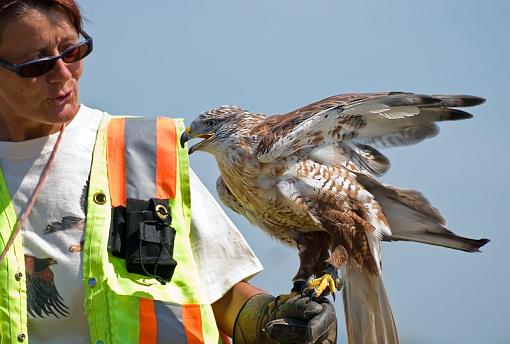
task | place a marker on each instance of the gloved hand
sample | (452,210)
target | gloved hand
(297,320)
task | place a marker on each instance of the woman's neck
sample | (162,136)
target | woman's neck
(12,131)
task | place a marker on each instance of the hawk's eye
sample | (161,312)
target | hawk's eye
(211,123)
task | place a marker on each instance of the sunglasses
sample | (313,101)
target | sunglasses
(40,66)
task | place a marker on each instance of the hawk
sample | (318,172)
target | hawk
(308,179)
(42,294)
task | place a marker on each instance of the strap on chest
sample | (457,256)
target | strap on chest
(141,158)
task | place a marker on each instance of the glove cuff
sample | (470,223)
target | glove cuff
(251,319)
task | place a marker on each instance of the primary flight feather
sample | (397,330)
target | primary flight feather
(307,178)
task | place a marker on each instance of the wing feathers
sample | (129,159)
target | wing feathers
(369,159)
(459,100)
(413,218)
(447,114)
(446,239)
(406,136)
(358,157)
(385,117)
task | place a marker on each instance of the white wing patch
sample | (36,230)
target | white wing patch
(370,108)
(365,107)
(398,112)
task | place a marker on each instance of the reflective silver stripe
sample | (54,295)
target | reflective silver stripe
(170,325)
(140,147)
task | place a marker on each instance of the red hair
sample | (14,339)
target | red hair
(14,8)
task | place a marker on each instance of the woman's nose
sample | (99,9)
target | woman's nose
(60,72)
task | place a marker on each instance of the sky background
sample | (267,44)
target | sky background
(181,58)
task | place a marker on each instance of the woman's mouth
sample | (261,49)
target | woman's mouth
(61,99)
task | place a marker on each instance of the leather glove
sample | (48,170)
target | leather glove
(297,320)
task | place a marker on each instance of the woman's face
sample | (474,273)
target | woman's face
(37,106)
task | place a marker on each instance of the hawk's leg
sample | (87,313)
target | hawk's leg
(329,281)
(339,226)
(313,251)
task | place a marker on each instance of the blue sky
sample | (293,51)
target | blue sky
(183,57)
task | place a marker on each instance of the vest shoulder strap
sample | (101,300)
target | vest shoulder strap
(142,151)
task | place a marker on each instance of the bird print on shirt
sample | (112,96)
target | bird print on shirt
(43,298)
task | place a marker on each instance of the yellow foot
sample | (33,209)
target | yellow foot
(319,285)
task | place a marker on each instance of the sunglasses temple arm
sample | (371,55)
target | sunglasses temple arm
(7,65)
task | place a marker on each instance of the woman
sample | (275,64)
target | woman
(48,290)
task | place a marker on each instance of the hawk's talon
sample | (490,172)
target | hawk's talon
(329,282)
(305,291)
(321,284)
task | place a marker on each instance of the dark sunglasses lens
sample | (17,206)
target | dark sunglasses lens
(76,53)
(38,68)
(31,70)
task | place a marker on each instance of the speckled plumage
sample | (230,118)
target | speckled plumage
(307,179)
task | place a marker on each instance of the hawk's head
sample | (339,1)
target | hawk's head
(215,127)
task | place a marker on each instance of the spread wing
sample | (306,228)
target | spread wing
(42,294)
(357,123)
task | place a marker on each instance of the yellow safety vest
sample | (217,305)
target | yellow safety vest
(133,158)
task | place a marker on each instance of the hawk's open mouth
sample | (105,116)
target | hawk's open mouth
(187,135)
(205,136)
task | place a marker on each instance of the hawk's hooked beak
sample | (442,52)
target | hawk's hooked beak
(188,135)
(185,137)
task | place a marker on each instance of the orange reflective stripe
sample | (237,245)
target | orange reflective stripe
(148,322)
(116,162)
(166,158)
(192,321)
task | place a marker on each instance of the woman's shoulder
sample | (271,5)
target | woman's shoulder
(87,111)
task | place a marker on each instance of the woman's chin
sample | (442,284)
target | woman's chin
(62,113)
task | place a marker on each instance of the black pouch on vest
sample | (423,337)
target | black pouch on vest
(142,234)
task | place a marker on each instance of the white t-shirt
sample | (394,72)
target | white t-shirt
(53,235)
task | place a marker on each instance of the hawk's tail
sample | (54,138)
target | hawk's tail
(368,313)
